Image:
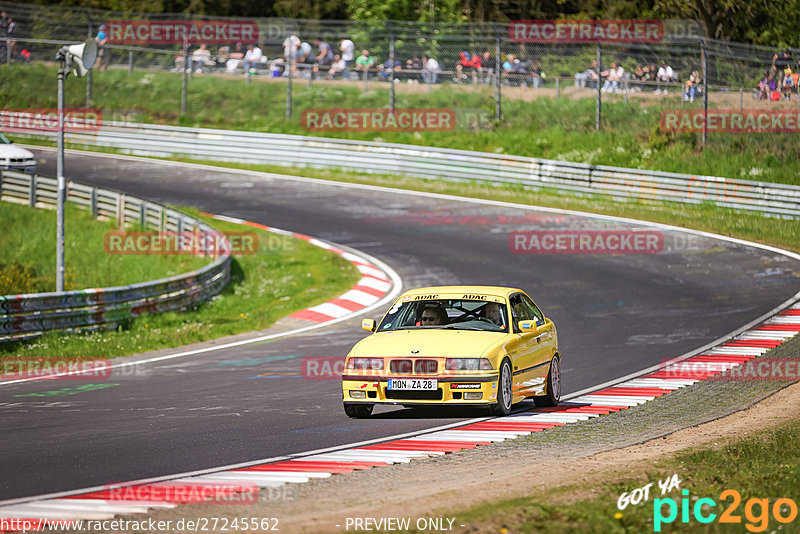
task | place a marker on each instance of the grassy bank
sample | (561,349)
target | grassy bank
(534,124)
(284,276)
(28,262)
(741,465)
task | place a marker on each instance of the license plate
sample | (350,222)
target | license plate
(422,384)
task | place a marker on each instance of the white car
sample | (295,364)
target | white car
(15,158)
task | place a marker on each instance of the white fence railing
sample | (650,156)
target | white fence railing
(29,315)
(439,163)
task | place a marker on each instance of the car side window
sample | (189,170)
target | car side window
(534,310)
(519,310)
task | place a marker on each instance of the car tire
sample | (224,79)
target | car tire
(358,411)
(553,395)
(504,390)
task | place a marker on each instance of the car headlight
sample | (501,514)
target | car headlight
(467,364)
(374,364)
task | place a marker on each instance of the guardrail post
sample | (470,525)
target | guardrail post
(32,192)
(93,203)
(143,214)
(162,225)
(130,62)
(180,233)
(121,212)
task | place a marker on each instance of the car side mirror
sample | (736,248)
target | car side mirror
(368,325)
(527,326)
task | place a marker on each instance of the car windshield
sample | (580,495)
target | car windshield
(447,314)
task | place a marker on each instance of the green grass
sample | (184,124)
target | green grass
(740,465)
(266,286)
(28,262)
(543,127)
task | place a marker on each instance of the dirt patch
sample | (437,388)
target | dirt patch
(438,487)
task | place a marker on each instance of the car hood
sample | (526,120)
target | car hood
(11,151)
(441,343)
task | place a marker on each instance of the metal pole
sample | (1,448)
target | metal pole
(185,88)
(705,91)
(741,95)
(289,90)
(498,104)
(557,79)
(130,62)
(62,188)
(391,72)
(89,74)
(364,76)
(599,107)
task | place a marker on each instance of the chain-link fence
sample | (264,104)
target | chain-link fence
(480,72)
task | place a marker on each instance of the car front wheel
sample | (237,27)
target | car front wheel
(503,406)
(358,411)
(553,394)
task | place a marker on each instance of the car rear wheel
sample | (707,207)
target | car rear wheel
(358,411)
(503,406)
(553,394)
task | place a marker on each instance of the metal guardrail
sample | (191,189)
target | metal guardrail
(29,315)
(439,163)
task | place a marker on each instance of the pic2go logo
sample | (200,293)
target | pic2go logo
(756,511)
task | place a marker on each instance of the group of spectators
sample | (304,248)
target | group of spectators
(617,80)
(779,80)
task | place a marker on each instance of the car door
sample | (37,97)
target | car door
(543,346)
(523,355)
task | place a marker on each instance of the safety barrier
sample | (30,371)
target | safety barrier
(29,315)
(439,163)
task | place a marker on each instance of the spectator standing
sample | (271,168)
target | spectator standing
(252,58)
(664,76)
(325,53)
(291,51)
(10,42)
(348,49)
(4,23)
(102,41)
(489,67)
(430,69)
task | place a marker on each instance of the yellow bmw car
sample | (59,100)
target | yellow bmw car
(455,345)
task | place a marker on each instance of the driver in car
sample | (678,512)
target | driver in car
(433,315)
(494,314)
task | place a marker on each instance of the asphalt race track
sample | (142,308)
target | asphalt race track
(615,314)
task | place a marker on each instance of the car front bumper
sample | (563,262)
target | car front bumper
(461,390)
